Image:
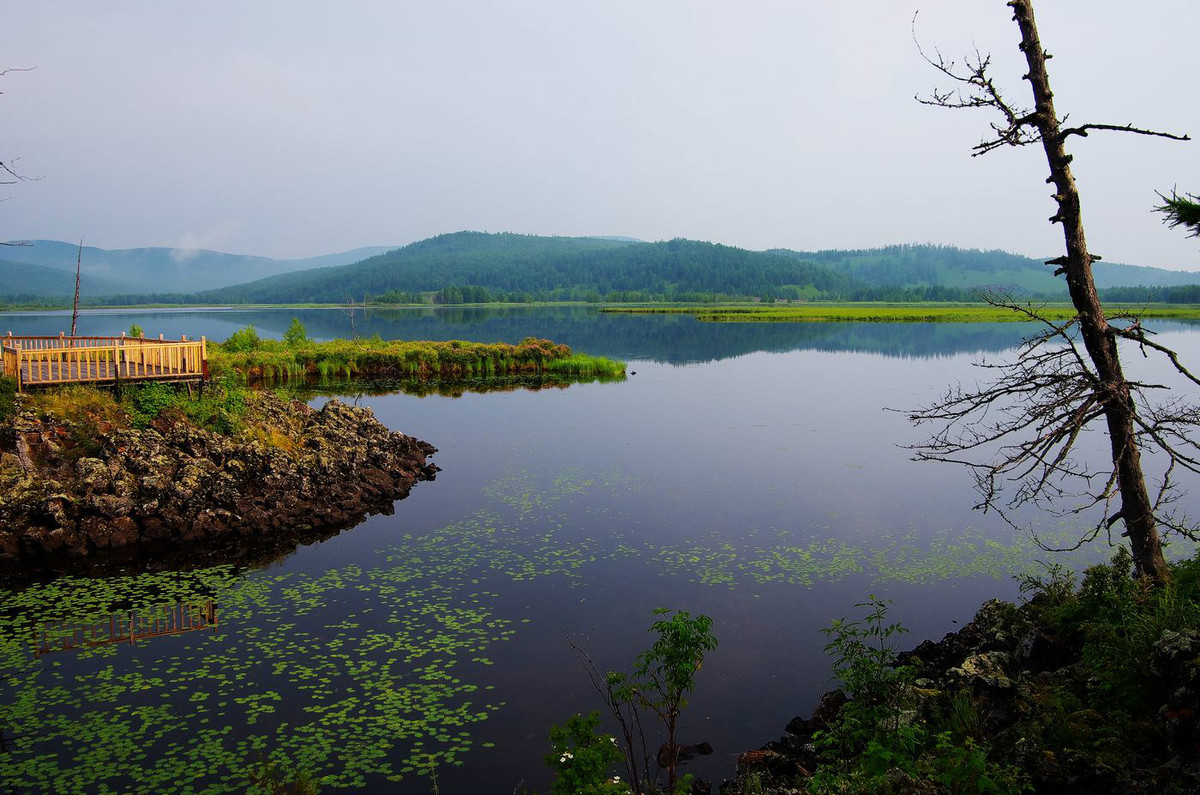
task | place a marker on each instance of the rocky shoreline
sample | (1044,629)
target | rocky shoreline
(1031,697)
(72,492)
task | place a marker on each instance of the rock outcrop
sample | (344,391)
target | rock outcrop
(1028,693)
(173,482)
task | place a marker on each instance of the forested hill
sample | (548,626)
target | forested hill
(929,266)
(479,266)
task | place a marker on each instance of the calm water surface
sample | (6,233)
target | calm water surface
(746,471)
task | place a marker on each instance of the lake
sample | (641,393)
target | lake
(750,472)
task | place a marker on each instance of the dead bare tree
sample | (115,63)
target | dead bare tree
(1020,432)
(350,310)
(78,274)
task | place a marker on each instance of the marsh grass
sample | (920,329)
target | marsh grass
(254,359)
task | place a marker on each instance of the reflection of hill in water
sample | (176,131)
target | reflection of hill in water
(675,339)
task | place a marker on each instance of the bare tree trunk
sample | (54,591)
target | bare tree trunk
(78,269)
(1100,341)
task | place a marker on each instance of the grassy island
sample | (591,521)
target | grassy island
(253,358)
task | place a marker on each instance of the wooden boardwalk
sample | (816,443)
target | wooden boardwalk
(41,361)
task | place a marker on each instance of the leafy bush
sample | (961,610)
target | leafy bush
(244,339)
(219,407)
(583,760)
(145,402)
(296,335)
(880,732)
(135,330)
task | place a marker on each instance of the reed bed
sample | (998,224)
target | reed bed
(271,360)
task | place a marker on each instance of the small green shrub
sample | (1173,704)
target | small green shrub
(145,402)
(583,759)
(135,330)
(296,335)
(242,340)
(881,730)
(220,408)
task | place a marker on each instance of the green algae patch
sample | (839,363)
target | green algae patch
(351,674)
(361,674)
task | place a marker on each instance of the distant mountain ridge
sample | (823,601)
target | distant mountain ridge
(159,269)
(39,281)
(477,266)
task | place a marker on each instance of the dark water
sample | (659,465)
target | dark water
(749,472)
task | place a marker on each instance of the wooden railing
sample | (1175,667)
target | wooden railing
(64,360)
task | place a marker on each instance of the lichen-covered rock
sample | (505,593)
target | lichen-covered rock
(985,670)
(174,481)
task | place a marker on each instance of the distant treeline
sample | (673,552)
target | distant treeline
(474,267)
(1183,294)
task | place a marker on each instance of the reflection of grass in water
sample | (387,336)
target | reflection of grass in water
(361,673)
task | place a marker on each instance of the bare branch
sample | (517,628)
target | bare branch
(1083,129)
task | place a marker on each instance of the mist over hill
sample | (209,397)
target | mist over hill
(21,279)
(157,269)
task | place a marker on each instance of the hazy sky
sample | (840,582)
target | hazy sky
(291,128)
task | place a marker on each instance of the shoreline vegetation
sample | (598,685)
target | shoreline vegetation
(1088,687)
(892,312)
(253,359)
(745,312)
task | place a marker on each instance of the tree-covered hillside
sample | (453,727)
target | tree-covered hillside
(926,266)
(477,267)
(526,267)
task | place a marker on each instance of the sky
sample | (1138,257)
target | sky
(290,128)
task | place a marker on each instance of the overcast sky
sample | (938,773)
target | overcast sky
(290,128)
